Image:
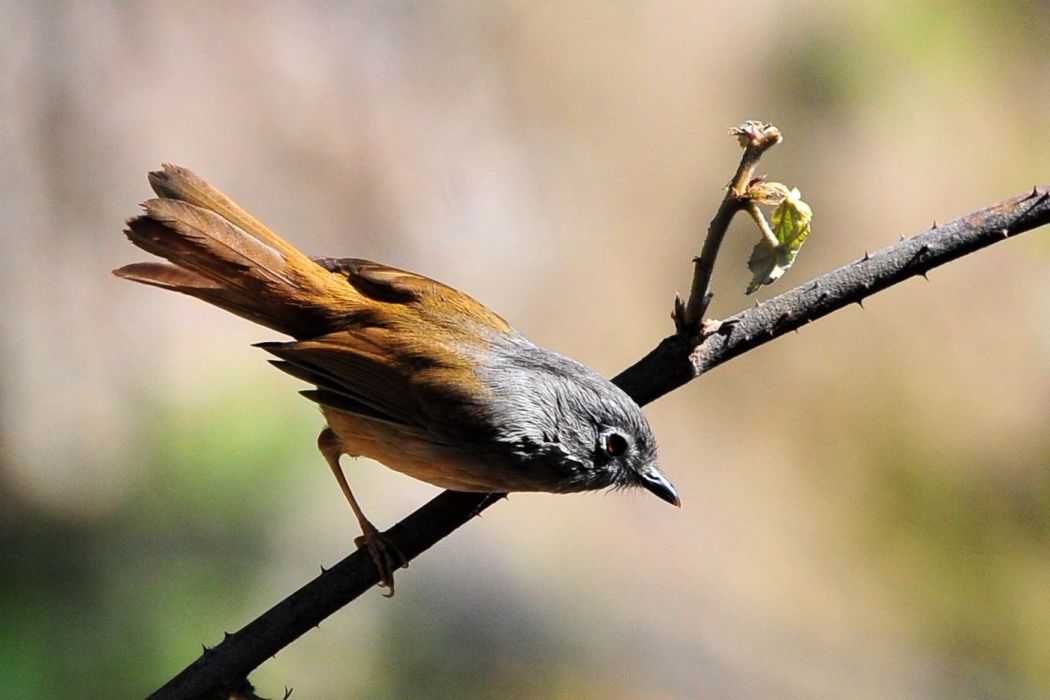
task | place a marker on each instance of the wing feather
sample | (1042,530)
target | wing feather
(347,365)
(383,283)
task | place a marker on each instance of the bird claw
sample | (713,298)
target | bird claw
(385,554)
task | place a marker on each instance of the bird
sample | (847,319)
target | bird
(406,370)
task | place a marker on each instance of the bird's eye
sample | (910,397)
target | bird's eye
(615,444)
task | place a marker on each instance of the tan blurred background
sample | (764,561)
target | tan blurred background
(866,504)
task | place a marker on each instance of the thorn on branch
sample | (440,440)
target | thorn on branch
(867,256)
(709,326)
(860,302)
(727,326)
(920,253)
(678,315)
(934,225)
(485,502)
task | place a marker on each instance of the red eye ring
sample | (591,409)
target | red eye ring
(615,444)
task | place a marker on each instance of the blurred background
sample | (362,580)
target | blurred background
(866,504)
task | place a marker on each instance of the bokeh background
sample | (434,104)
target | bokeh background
(866,503)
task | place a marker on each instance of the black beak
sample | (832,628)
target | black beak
(658,484)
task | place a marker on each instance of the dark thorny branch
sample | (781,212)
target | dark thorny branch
(695,348)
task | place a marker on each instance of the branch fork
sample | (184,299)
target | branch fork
(755,138)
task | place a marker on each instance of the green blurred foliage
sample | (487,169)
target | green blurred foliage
(964,543)
(96,609)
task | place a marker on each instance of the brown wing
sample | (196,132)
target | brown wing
(385,375)
(352,373)
(407,358)
(383,283)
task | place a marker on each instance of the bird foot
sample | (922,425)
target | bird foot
(384,553)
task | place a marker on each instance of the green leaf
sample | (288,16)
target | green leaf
(775,253)
(791,221)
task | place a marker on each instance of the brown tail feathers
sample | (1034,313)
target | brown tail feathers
(221,254)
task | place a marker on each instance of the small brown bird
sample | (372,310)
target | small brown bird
(408,371)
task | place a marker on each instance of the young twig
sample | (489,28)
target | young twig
(756,138)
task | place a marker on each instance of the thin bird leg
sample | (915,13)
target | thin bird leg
(385,555)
